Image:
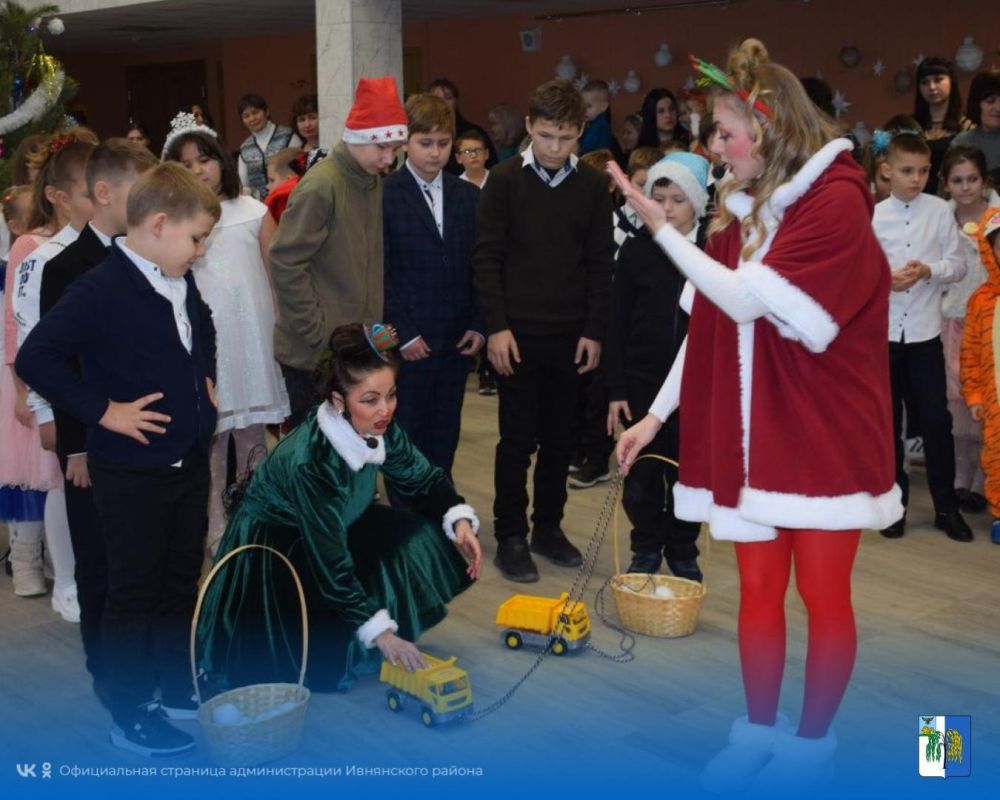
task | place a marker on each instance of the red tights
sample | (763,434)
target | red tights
(823,561)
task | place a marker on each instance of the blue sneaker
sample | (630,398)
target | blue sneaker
(995,531)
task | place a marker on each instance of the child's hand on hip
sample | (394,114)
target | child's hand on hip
(131,419)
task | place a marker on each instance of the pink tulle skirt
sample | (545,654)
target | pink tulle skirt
(23,462)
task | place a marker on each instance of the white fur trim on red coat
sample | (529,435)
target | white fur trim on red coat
(456,513)
(793,312)
(379,623)
(844,512)
(760,512)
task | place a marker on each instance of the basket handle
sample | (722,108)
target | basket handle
(201,599)
(615,536)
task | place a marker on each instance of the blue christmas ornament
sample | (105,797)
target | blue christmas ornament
(17,93)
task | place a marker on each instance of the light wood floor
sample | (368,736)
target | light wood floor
(929,628)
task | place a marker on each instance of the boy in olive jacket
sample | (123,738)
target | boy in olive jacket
(326,256)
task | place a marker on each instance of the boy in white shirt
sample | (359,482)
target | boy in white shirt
(920,238)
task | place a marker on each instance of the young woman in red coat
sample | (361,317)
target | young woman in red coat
(786,424)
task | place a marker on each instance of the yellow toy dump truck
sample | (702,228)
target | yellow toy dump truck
(442,690)
(528,619)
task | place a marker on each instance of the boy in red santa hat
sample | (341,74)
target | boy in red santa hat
(326,257)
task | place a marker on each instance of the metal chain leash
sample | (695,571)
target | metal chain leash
(580,582)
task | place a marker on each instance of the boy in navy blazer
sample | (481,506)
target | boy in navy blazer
(429,224)
(129,350)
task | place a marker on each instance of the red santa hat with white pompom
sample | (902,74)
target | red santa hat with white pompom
(377,116)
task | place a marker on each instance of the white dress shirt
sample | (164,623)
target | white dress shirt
(433,193)
(920,230)
(173,289)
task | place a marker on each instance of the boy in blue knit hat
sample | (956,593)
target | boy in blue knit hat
(650,303)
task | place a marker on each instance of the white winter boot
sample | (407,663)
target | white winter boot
(26,566)
(797,765)
(734,768)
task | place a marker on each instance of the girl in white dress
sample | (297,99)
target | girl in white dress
(233,277)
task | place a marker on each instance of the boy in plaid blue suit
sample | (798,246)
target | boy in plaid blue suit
(429,224)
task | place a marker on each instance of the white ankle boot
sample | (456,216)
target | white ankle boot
(734,768)
(797,765)
(26,566)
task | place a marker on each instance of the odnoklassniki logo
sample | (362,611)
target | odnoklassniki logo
(944,746)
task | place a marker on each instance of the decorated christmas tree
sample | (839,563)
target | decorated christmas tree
(34,89)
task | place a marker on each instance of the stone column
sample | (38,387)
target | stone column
(354,39)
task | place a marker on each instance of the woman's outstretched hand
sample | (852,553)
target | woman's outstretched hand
(651,212)
(632,441)
(399,651)
(467,542)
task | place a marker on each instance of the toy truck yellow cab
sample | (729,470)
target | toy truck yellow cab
(442,690)
(532,620)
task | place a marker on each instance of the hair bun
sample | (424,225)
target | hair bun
(746,61)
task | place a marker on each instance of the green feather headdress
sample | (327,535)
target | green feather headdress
(710,75)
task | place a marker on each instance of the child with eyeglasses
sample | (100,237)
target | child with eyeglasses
(471,151)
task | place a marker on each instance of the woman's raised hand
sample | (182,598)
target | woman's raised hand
(652,214)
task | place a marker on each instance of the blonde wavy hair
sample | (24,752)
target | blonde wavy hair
(793,133)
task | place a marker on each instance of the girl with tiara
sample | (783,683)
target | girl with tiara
(233,279)
(792,292)
(375,577)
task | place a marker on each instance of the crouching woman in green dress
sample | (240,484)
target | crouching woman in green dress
(374,577)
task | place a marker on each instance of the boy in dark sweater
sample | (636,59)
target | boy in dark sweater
(648,323)
(111,170)
(130,351)
(542,272)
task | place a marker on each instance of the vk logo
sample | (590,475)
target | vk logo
(26,770)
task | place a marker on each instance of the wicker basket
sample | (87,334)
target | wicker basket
(267,733)
(641,611)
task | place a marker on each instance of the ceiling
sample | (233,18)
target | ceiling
(133,25)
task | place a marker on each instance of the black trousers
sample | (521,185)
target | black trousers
(431,394)
(154,522)
(91,554)
(590,420)
(916,370)
(302,394)
(648,498)
(536,415)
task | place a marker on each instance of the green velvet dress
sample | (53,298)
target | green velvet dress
(354,558)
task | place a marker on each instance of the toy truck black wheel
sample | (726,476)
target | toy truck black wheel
(559,647)
(512,639)
(394,701)
(427,717)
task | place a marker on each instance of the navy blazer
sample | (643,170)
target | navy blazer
(124,335)
(428,279)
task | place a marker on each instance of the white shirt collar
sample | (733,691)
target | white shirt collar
(437,183)
(263,136)
(146,267)
(103,237)
(349,445)
(899,205)
(528,159)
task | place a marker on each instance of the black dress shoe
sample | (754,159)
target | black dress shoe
(553,544)
(970,502)
(648,562)
(897,529)
(954,526)
(514,561)
(685,568)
